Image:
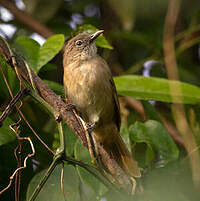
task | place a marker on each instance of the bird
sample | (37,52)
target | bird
(89,85)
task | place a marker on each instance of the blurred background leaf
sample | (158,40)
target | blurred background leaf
(161,147)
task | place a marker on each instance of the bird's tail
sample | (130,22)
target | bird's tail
(117,150)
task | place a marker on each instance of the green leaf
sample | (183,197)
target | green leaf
(151,88)
(50,48)
(37,56)
(170,183)
(82,154)
(100,41)
(150,111)
(70,140)
(51,190)
(56,87)
(10,77)
(29,50)
(6,135)
(12,80)
(154,134)
(48,67)
(124,132)
(87,193)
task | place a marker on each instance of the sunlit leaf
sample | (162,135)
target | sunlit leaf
(151,88)
(37,56)
(29,50)
(50,48)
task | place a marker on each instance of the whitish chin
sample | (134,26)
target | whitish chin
(90,52)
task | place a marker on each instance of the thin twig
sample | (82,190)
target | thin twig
(18,175)
(25,163)
(12,104)
(62,181)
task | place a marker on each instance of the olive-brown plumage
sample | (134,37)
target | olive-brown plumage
(89,85)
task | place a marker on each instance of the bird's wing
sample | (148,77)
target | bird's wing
(116,105)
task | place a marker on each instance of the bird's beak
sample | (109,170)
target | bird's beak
(95,35)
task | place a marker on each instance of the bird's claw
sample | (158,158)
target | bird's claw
(90,127)
(70,106)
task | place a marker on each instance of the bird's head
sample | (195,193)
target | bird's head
(81,47)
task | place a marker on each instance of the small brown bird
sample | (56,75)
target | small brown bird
(90,87)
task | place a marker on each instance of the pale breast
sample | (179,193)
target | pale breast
(88,87)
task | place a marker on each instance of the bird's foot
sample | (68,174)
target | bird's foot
(93,147)
(58,117)
(90,127)
(70,106)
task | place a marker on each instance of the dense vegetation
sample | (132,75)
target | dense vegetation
(152,48)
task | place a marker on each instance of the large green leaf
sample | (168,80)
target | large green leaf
(154,134)
(70,140)
(151,88)
(6,135)
(50,48)
(51,190)
(100,41)
(37,56)
(29,50)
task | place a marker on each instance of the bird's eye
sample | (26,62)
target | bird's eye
(79,42)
